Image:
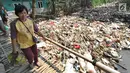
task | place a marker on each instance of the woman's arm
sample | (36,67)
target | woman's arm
(14,45)
(13,36)
(37,31)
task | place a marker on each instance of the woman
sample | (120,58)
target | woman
(2,27)
(22,32)
(4,15)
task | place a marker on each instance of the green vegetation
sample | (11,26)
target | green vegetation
(99,2)
(69,6)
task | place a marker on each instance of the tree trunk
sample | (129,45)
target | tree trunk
(53,7)
(86,3)
(89,3)
(33,8)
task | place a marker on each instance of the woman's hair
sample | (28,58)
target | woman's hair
(19,8)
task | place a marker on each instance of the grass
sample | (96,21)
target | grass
(100,2)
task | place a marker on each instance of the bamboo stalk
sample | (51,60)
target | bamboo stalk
(98,64)
(44,68)
(50,71)
(40,68)
(44,65)
(47,69)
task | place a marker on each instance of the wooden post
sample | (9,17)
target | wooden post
(33,9)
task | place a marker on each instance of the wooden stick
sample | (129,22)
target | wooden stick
(98,64)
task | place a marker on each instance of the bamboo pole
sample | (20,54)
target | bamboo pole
(98,64)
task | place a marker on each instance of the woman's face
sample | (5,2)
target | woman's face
(23,15)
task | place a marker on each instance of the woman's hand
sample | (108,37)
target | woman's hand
(41,35)
(43,38)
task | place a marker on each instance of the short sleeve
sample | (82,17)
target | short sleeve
(36,28)
(13,30)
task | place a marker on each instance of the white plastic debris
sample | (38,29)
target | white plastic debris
(114,26)
(105,61)
(83,64)
(89,66)
(69,66)
(113,52)
(41,44)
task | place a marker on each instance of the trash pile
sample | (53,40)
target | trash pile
(104,14)
(95,41)
(109,13)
